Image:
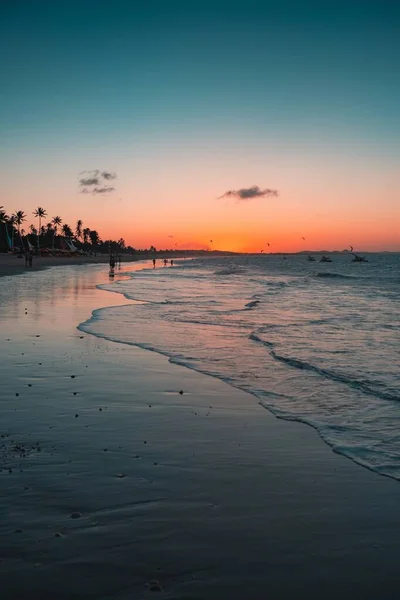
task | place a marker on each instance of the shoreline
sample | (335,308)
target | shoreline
(11,265)
(206,492)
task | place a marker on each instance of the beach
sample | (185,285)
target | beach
(126,476)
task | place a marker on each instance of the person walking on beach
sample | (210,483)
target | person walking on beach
(172,263)
(26,258)
(154,263)
(30,259)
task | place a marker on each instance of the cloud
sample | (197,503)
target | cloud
(89,181)
(108,175)
(102,190)
(95,182)
(249,193)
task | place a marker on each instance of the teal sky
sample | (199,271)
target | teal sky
(130,88)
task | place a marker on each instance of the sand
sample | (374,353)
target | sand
(116,485)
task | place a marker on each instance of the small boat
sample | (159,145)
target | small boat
(325,259)
(311,258)
(359,258)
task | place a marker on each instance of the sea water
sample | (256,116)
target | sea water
(313,342)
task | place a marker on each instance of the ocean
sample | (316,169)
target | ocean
(312,342)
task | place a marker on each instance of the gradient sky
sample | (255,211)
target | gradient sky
(185,101)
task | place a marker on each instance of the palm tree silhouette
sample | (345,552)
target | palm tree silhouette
(86,235)
(19,218)
(40,213)
(11,221)
(94,237)
(56,221)
(3,217)
(67,231)
(78,229)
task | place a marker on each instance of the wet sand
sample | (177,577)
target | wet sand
(116,485)
(10,264)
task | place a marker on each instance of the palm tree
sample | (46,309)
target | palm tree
(67,231)
(3,217)
(19,218)
(56,221)
(40,213)
(121,243)
(78,229)
(11,221)
(86,235)
(94,237)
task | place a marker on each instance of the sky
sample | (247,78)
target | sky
(186,101)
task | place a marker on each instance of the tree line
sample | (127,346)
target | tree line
(15,237)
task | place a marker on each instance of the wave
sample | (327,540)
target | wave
(341,406)
(336,275)
(332,375)
(230,271)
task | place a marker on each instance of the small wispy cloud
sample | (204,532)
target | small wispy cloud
(95,182)
(84,181)
(108,175)
(249,193)
(103,190)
